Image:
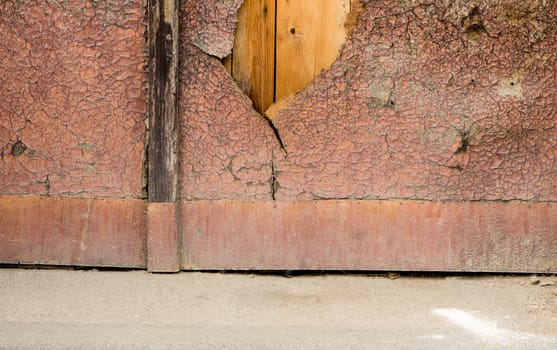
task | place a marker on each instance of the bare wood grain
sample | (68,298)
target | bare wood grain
(309,37)
(254,52)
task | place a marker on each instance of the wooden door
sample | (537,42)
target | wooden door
(282,45)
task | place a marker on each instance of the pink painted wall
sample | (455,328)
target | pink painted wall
(73,97)
(433,100)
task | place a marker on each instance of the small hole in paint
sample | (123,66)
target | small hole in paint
(18,148)
(292,30)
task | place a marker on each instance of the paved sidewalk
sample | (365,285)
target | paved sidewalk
(62,309)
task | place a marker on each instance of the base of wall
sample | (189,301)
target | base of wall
(260,235)
(72,231)
(371,235)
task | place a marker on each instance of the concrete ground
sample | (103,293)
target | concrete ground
(64,309)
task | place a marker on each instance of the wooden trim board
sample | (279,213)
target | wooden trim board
(163,68)
(371,235)
(267,235)
(72,231)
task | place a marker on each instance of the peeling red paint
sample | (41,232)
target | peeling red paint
(424,104)
(210,25)
(226,147)
(74,93)
(428,100)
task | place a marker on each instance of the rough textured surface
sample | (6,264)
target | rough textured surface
(226,147)
(431,100)
(210,24)
(370,235)
(73,98)
(99,310)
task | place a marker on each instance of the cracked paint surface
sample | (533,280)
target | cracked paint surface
(226,148)
(428,100)
(437,100)
(73,97)
(210,25)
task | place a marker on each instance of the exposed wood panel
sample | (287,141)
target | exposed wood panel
(254,51)
(163,63)
(309,36)
(371,235)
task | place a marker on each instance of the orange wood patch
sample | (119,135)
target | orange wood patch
(280,46)
(309,37)
(253,57)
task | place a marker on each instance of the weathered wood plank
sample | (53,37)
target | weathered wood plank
(163,63)
(309,36)
(370,235)
(254,52)
(72,231)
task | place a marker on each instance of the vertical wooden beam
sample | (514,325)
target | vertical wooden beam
(162,237)
(163,64)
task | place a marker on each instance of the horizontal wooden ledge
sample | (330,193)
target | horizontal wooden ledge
(267,235)
(72,231)
(370,235)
